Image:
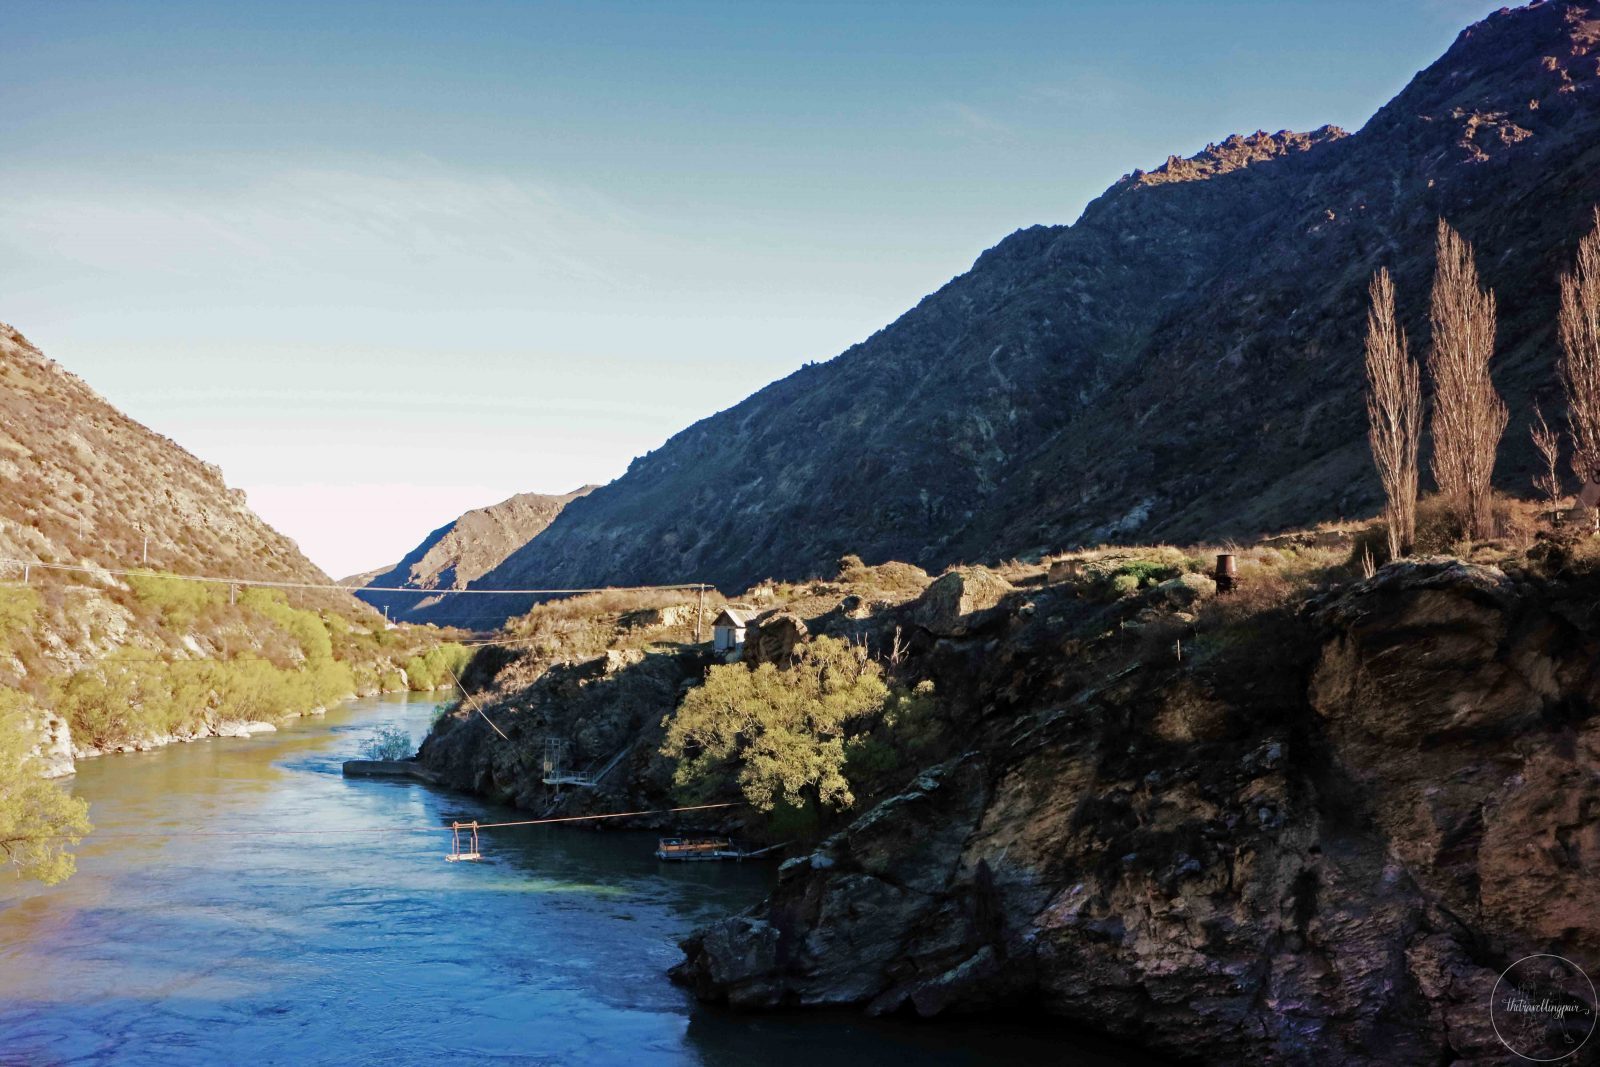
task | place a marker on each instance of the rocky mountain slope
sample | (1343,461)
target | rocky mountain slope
(82,482)
(1183,361)
(114,654)
(462,551)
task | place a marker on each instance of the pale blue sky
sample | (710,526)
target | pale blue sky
(387,261)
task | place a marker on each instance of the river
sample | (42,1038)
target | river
(367,948)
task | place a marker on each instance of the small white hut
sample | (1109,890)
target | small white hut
(727,630)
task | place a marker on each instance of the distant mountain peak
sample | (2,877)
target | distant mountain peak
(1233,153)
(463,550)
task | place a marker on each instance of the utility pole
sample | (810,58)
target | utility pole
(147,550)
(700,615)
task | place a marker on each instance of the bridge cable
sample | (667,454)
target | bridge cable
(92,836)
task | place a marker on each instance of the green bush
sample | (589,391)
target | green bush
(39,820)
(911,719)
(435,667)
(790,822)
(19,606)
(781,735)
(98,703)
(866,758)
(179,602)
(305,628)
(1147,572)
(135,694)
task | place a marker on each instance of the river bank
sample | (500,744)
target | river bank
(57,755)
(366,946)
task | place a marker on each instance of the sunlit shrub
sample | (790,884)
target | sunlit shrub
(437,666)
(38,819)
(779,734)
(178,601)
(19,606)
(306,628)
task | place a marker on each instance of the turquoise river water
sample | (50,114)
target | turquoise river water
(367,948)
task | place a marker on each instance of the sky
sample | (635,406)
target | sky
(385,262)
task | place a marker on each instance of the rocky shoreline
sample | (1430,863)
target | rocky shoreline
(56,755)
(1314,831)
(1323,845)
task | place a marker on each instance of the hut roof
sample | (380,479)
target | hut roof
(734,617)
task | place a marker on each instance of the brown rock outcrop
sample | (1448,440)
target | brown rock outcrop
(774,639)
(1325,858)
(947,607)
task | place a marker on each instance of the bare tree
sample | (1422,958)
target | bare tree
(1580,353)
(1548,444)
(1469,417)
(1394,414)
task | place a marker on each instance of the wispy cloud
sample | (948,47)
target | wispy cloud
(1087,91)
(965,120)
(352,216)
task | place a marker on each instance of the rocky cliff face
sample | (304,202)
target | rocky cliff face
(1183,361)
(460,552)
(606,712)
(1319,838)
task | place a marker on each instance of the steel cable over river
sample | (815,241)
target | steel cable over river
(400,829)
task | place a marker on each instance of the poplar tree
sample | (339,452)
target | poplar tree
(1394,414)
(1579,327)
(1469,417)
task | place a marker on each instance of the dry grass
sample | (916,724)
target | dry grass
(585,626)
(892,581)
(1441,530)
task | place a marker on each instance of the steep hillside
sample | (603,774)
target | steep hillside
(115,652)
(82,482)
(463,551)
(1183,361)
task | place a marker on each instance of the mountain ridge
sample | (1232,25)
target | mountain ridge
(1184,361)
(104,644)
(462,550)
(87,483)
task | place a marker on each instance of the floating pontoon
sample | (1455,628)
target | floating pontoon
(701,847)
